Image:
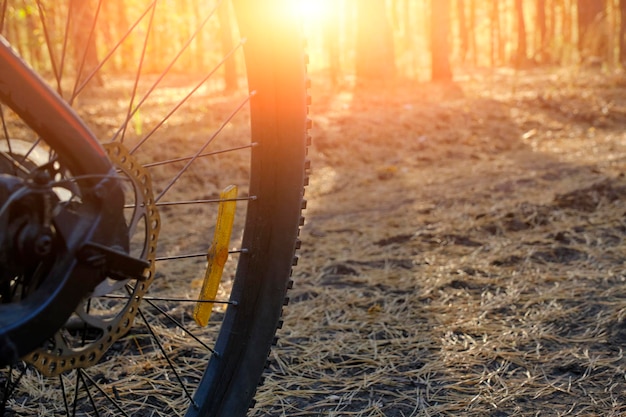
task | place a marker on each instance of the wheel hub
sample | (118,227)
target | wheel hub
(54,253)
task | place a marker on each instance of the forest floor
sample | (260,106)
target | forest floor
(463,253)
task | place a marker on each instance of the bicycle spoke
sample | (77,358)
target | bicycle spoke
(82,376)
(204,146)
(76,391)
(5,129)
(55,69)
(142,57)
(204,155)
(206,201)
(177,106)
(7,140)
(165,72)
(102,391)
(81,65)
(174,300)
(123,38)
(180,325)
(68,20)
(27,154)
(9,387)
(166,356)
(64,394)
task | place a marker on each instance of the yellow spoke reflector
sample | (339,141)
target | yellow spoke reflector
(217,255)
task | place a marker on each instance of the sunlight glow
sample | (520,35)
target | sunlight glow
(312,10)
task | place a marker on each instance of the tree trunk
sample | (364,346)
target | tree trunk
(440,48)
(84,18)
(521,56)
(541,32)
(495,32)
(463,33)
(375,58)
(588,11)
(114,13)
(226,37)
(472,33)
(568,29)
(622,32)
(331,41)
(3,12)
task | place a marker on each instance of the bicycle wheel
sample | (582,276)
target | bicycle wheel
(174,146)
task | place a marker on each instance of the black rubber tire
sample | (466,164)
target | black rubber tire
(276,72)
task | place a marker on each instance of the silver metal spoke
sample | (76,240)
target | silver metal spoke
(203,201)
(180,325)
(82,375)
(64,394)
(180,103)
(204,146)
(166,356)
(206,201)
(194,255)
(142,57)
(7,139)
(10,386)
(102,391)
(187,158)
(175,300)
(112,51)
(160,78)
(46,34)
(86,51)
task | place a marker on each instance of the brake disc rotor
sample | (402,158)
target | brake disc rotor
(108,314)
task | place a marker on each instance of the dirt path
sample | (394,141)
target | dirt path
(463,253)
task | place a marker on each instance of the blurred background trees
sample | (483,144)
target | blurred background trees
(434,39)
(367,39)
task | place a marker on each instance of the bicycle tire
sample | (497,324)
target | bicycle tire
(276,74)
(230,382)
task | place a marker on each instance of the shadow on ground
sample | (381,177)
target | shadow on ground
(463,253)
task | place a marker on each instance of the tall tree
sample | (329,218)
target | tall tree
(521,54)
(463,31)
(226,37)
(622,32)
(472,33)
(84,18)
(541,31)
(567,24)
(113,26)
(588,12)
(375,57)
(495,31)
(440,44)
(331,36)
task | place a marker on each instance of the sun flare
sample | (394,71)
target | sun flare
(312,10)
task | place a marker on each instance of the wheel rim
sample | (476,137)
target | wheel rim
(161,353)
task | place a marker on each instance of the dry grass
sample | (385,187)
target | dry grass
(463,254)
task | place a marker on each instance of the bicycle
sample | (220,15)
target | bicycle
(98,283)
